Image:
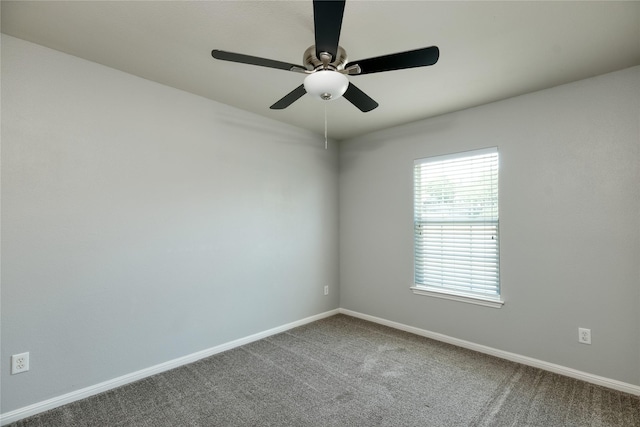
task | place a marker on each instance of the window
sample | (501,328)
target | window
(456,227)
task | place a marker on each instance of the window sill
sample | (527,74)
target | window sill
(454,296)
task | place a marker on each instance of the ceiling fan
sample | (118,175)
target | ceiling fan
(326,66)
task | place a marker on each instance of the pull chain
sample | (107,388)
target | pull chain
(325,127)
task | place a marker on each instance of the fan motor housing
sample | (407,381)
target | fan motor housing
(312,62)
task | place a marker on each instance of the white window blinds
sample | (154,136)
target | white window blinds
(456,223)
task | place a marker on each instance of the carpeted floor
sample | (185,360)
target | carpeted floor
(342,371)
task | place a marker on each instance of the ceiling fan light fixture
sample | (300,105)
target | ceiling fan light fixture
(326,85)
(326,62)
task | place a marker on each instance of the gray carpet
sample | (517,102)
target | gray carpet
(343,371)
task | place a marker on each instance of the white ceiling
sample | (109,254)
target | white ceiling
(488,50)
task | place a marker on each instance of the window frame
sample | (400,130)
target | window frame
(472,297)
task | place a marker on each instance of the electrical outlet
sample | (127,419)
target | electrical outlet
(19,363)
(584,336)
(326,290)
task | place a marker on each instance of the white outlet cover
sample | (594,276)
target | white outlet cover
(584,336)
(19,363)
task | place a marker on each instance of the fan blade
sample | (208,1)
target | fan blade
(398,61)
(254,60)
(289,98)
(327,21)
(359,98)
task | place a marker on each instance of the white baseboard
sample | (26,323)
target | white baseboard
(529,361)
(46,405)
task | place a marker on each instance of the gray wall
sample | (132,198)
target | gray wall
(570,224)
(141,223)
